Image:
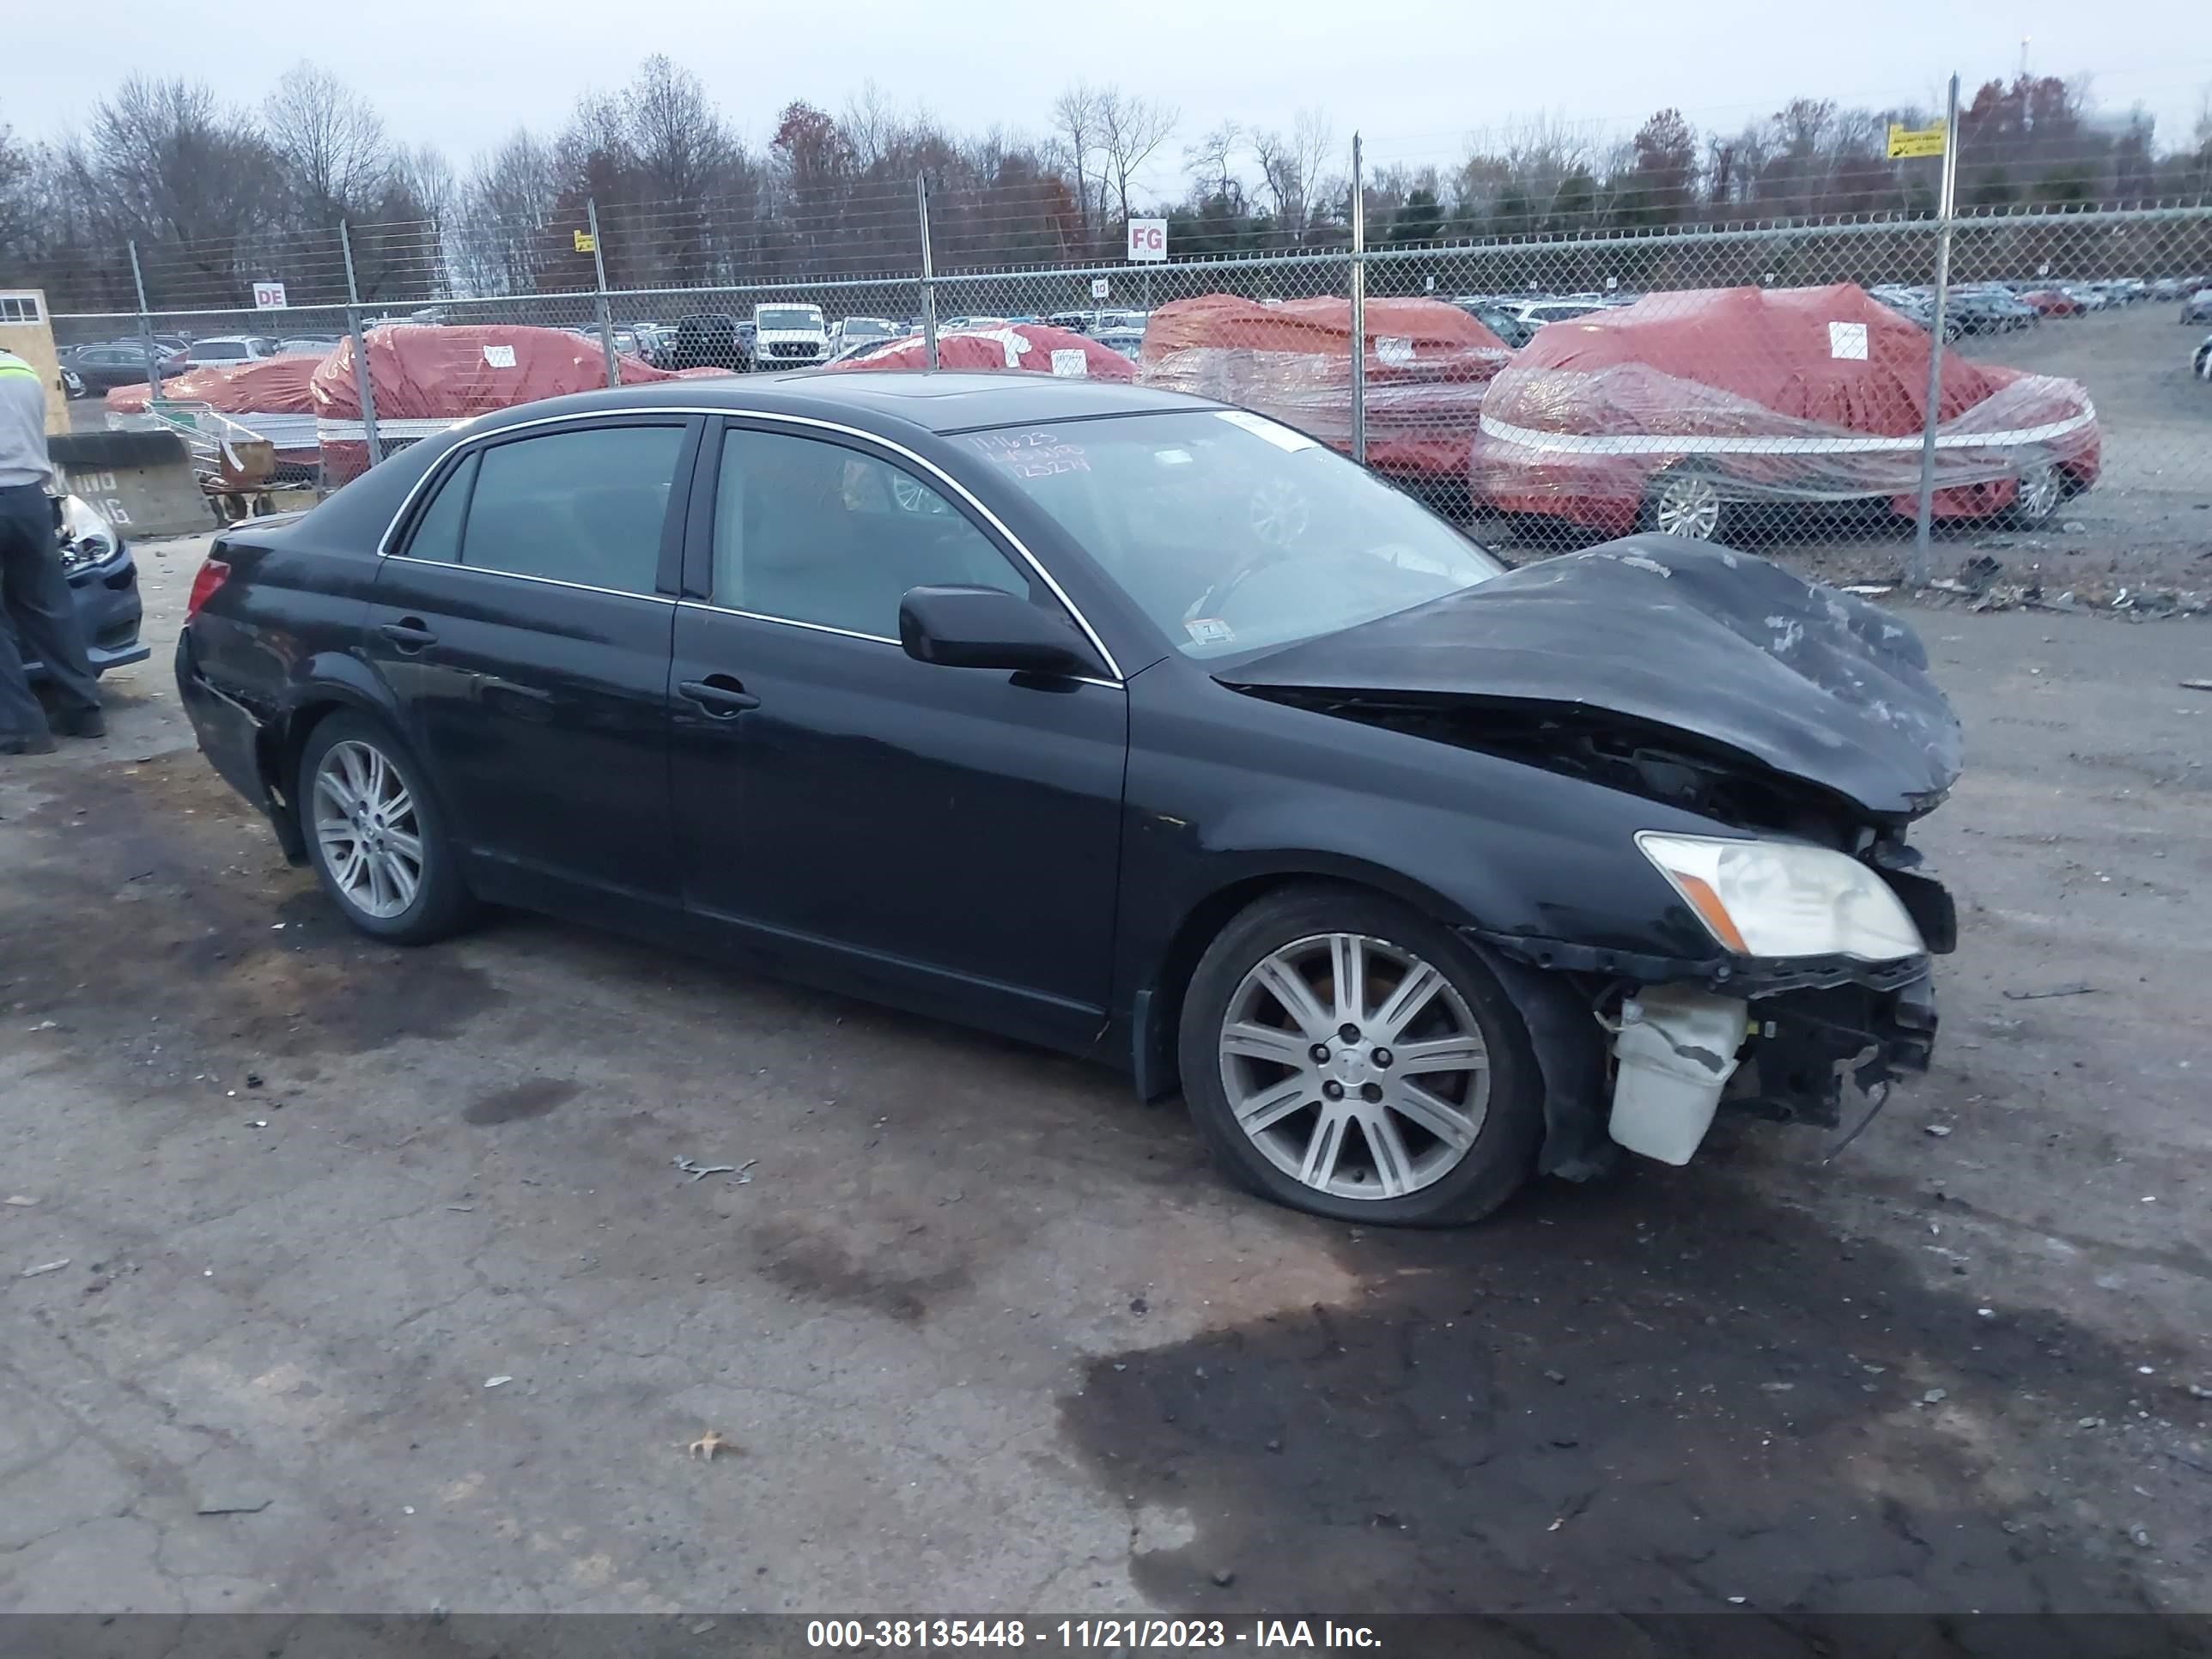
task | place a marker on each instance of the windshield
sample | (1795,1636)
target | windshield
(1231,533)
(869,327)
(212,351)
(787,317)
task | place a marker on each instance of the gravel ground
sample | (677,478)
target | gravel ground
(985,1334)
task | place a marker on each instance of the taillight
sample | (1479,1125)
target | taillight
(212,574)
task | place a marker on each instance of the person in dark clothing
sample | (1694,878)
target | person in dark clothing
(38,618)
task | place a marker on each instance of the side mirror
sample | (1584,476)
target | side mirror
(989,627)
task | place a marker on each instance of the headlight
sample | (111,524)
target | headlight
(87,536)
(1774,898)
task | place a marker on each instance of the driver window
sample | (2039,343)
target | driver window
(809,531)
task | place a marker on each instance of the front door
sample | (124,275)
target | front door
(947,838)
(524,629)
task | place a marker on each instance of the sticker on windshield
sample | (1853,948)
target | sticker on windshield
(1069,362)
(1848,341)
(1039,454)
(1208,630)
(500,357)
(1261,426)
(1171,458)
(1392,353)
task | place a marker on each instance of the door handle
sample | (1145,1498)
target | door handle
(409,634)
(721,695)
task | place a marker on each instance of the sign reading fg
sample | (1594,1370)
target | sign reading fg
(269,296)
(1148,239)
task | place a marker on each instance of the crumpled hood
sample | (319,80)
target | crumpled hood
(1815,684)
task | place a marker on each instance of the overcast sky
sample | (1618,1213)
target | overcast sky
(1416,76)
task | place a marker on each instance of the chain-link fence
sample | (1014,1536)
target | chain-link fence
(1761,385)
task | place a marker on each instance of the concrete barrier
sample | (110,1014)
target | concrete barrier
(142,481)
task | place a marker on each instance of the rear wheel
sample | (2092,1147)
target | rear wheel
(1685,501)
(375,838)
(1342,1054)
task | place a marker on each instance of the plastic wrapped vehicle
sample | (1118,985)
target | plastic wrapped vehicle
(425,380)
(1037,348)
(1428,366)
(272,396)
(1680,411)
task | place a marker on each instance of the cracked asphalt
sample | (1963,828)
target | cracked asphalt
(985,1335)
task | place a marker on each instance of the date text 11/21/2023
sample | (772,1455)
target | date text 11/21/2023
(1293,1635)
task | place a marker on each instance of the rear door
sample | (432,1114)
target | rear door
(947,838)
(525,625)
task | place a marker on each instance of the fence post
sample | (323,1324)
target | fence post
(146,330)
(1358,308)
(929,273)
(361,379)
(605,311)
(1918,567)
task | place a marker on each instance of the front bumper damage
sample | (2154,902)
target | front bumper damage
(1783,1040)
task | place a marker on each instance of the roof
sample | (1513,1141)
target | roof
(934,400)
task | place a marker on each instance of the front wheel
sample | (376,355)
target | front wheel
(2036,495)
(375,838)
(1342,1054)
(1685,502)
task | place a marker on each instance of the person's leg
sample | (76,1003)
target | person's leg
(22,720)
(37,598)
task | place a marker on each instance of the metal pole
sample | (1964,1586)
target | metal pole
(929,273)
(146,330)
(1919,568)
(360,381)
(1358,308)
(606,313)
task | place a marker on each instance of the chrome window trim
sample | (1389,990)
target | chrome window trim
(690,410)
(784,622)
(525,576)
(850,634)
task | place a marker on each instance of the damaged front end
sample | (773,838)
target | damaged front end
(1786,961)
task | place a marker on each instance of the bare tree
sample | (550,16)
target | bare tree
(162,162)
(1076,123)
(1210,163)
(511,197)
(329,143)
(426,176)
(1130,129)
(1294,170)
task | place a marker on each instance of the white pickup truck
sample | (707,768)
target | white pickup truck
(789,337)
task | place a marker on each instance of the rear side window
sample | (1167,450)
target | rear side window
(574,507)
(438,532)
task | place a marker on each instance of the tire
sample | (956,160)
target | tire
(1242,1047)
(2041,490)
(340,765)
(1685,501)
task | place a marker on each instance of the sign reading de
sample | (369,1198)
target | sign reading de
(1148,239)
(269,296)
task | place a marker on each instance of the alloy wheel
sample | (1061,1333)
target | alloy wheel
(1688,504)
(1354,1067)
(2036,497)
(367,830)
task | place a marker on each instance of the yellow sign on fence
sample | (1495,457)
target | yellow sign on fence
(1915,140)
(587,243)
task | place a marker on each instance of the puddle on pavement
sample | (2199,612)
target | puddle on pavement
(1656,1394)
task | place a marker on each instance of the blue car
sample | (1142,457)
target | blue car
(103,579)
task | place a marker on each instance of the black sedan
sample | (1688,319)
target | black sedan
(122,362)
(1124,723)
